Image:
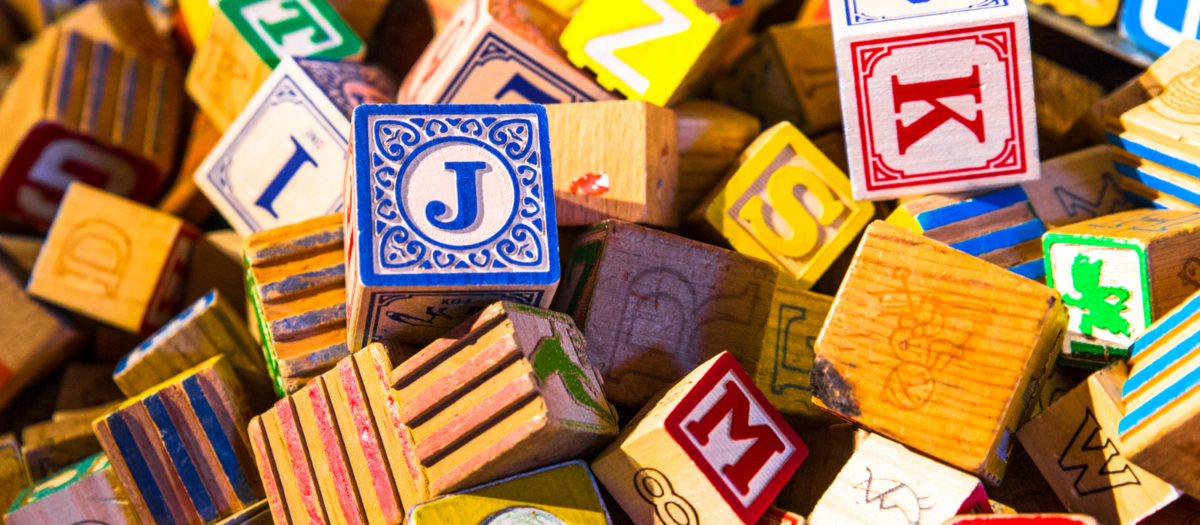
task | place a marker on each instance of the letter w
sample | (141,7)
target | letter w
(930,92)
(766,442)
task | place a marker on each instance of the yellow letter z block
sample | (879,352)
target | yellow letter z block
(647,49)
(786,204)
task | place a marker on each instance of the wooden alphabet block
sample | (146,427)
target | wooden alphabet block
(22,249)
(35,15)
(1163,122)
(1157,28)
(1061,381)
(258,514)
(1132,123)
(217,265)
(86,492)
(887,484)
(659,66)
(327,454)
(1094,13)
(671,460)
(565,493)
(436,233)
(782,374)
(836,444)
(249,38)
(915,323)
(296,476)
(264,459)
(710,138)
(296,279)
(901,63)
(181,449)
(1134,262)
(13,477)
(1076,187)
(999,226)
(90,110)
(758,212)
(630,171)
(1144,196)
(113,260)
(1062,96)
(207,328)
(1075,444)
(195,19)
(51,446)
(1157,178)
(1024,519)
(498,52)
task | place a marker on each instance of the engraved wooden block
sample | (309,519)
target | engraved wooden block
(658,65)
(1144,196)
(448,212)
(757,210)
(184,198)
(710,138)
(790,74)
(565,493)
(1163,122)
(629,171)
(283,159)
(1076,187)
(794,322)
(654,306)
(1134,262)
(999,226)
(1061,381)
(887,484)
(50,446)
(1132,123)
(181,449)
(249,38)
(508,390)
(904,70)
(86,492)
(915,323)
(498,52)
(327,454)
(207,328)
(836,444)
(1025,519)
(296,279)
(670,461)
(86,109)
(13,477)
(1075,445)
(1157,178)
(113,260)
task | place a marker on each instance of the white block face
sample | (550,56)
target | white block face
(1120,283)
(858,12)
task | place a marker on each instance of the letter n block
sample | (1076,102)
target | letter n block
(113,260)
(673,461)
(917,323)
(1117,274)
(450,208)
(936,96)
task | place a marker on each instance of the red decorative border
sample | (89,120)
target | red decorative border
(725,363)
(1001,38)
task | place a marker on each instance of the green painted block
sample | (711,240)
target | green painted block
(297,28)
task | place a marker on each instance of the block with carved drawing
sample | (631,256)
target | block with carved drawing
(1077,186)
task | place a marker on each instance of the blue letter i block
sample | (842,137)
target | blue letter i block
(451,209)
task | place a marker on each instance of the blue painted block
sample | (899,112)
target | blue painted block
(451,208)
(1159,25)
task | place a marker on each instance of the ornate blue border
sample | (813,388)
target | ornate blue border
(855,17)
(379,302)
(492,47)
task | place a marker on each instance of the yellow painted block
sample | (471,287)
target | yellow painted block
(197,17)
(1097,13)
(564,493)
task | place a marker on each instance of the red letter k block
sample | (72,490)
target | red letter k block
(930,92)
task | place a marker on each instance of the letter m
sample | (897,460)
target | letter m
(766,442)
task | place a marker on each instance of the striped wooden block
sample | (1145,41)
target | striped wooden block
(1143,196)
(304,500)
(1160,178)
(375,364)
(999,227)
(297,282)
(267,469)
(87,492)
(327,454)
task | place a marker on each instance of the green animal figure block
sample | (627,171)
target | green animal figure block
(1117,274)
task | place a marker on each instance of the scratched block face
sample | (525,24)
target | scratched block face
(283,28)
(783,371)
(1076,187)
(450,209)
(1159,25)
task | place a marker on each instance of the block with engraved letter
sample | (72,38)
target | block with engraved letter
(449,209)
(794,321)
(508,390)
(836,444)
(630,171)
(673,461)
(711,137)
(282,160)
(562,494)
(113,260)
(915,324)
(86,492)
(249,38)
(1117,274)
(1076,187)
(885,483)
(936,97)
(1075,444)
(1025,519)
(758,211)
(498,52)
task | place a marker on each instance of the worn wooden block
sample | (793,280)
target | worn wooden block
(1135,125)
(929,103)
(794,321)
(84,108)
(659,66)
(50,446)
(886,483)
(757,210)
(296,279)
(13,476)
(1158,178)
(261,178)
(498,52)
(671,461)
(1061,381)
(916,322)
(1133,262)
(1025,519)
(113,260)
(21,249)
(264,459)
(710,138)
(249,38)
(565,493)
(327,454)
(86,492)
(304,503)
(86,386)
(1062,96)
(508,390)
(1076,187)
(1146,197)
(790,74)
(1000,227)
(436,233)
(217,264)
(833,445)
(184,198)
